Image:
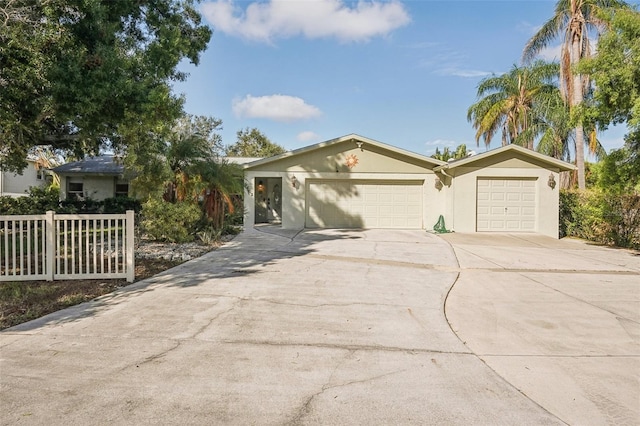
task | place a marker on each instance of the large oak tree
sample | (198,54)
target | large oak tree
(84,75)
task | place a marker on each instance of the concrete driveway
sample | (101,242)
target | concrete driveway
(320,327)
(559,320)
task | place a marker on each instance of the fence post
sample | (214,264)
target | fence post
(50,242)
(131,267)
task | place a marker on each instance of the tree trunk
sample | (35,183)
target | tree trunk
(575,101)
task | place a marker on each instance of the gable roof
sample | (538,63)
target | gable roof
(467,161)
(99,165)
(351,137)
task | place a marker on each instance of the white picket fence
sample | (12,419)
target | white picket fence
(67,246)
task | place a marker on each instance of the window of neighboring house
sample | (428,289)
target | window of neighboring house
(40,174)
(122,189)
(75,190)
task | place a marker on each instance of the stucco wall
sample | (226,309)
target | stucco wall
(15,184)
(294,198)
(462,218)
(329,162)
(95,187)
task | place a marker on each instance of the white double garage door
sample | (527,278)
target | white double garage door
(364,204)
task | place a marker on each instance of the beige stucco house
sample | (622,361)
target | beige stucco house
(357,182)
(17,185)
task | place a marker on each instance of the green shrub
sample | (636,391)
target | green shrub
(621,224)
(77,206)
(236,218)
(38,201)
(171,222)
(121,205)
(569,220)
(228,229)
(7,205)
(603,217)
(209,236)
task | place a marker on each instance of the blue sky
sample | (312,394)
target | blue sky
(400,72)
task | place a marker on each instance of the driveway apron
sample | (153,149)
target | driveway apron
(316,327)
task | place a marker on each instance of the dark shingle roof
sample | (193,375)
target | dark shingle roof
(100,165)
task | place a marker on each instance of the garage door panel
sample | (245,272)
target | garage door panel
(369,204)
(414,211)
(506,205)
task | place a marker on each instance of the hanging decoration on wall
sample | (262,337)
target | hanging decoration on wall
(352,161)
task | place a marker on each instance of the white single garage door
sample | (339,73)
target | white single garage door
(364,204)
(507,205)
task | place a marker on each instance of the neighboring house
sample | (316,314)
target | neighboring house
(17,185)
(356,182)
(97,178)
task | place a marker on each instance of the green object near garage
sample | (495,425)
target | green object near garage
(439,227)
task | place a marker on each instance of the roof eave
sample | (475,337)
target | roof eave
(562,165)
(342,139)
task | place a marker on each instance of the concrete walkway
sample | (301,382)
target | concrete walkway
(325,327)
(560,320)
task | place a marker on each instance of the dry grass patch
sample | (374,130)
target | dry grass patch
(22,301)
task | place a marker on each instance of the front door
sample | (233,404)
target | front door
(261,200)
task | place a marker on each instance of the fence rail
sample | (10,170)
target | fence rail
(65,246)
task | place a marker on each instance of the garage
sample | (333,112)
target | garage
(364,204)
(506,205)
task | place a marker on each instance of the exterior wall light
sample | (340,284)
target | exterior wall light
(552,181)
(438,184)
(294,182)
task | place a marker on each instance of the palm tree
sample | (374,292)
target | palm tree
(507,103)
(575,20)
(198,174)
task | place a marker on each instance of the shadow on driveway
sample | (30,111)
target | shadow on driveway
(249,253)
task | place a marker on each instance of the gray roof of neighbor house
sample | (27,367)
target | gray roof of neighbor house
(99,165)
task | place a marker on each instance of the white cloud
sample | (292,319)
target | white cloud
(528,28)
(463,73)
(308,136)
(441,143)
(550,54)
(423,45)
(265,21)
(448,62)
(274,107)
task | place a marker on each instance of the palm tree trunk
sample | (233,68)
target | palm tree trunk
(580,156)
(576,100)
